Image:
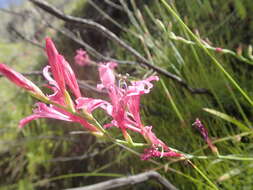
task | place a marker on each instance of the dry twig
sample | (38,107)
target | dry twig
(130,180)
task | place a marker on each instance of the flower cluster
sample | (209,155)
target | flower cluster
(123,107)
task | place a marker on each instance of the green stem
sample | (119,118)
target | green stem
(172,102)
(203,175)
(224,157)
(133,144)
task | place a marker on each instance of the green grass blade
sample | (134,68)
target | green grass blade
(227,118)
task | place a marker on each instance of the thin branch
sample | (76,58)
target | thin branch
(72,158)
(23,37)
(113,21)
(87,47)
(28,73)
(114,5)
(91,24)
(82,84)
(130,180)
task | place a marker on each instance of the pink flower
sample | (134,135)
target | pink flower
(82,58)
(125,101)
(62,75)
(119,99)
(61,70)
(55,64)
(44,111)
(125,109)
(20,80)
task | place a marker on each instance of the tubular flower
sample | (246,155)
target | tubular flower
(55,64)
(118,96)
(125,109)
(44,111)
(61,70)
(82,58)
(20,80)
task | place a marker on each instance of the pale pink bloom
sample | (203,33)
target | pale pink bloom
(117,96)
(106,74)
(125,101)
(82,58)
(44,111)
(19,80)
(125,109)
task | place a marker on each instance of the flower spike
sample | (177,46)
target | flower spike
(203,131)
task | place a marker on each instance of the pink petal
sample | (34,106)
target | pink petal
(26,120)
(70,78)
(91,104)
(141,87)
(47,76)
(19,79)
(50,112)
(43,111)
(134,108)
(55,63)
(151,137)
(106,74)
